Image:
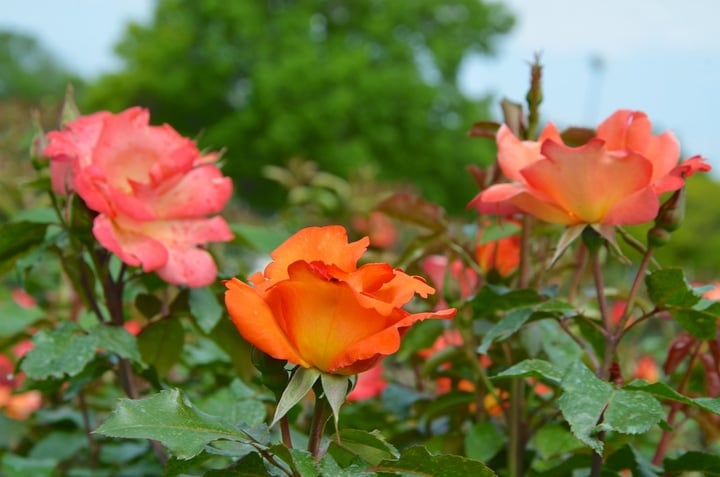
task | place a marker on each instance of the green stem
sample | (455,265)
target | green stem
(317,426)
(632,295)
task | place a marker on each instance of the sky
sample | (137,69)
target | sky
(658,56)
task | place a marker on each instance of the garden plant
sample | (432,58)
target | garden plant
(152,325)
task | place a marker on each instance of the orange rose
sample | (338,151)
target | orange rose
(614,179)
(313,307)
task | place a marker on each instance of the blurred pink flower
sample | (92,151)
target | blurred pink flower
(369,384)
(152,188)
(449,278)
(15,405)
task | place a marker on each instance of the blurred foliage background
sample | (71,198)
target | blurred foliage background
(330,96)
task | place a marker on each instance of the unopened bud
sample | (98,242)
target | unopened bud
(657,237)
(672,212)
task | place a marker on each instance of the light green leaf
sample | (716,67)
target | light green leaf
(300,384)
(586,399)
(663,391)
(116,339)
(536,368)
(15,319)
(300,460)
(16,466)
(701,323)
(370,446)
(483,441)
(64,350)
(552,440)
(418,461)
(336,390)
(167,417)
(205,308)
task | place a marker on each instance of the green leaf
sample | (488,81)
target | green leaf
(205,308)
(499,231)
(536,368)
(300,384)
(668,288)
(167,417)
(586,399)
(553,440)
(18,238)
(506,327)
(491,299)
(663,391)
(226,403)
(336,390)
(58,445)
(300,460)
(329,467)
(700,323)
(369,446)
(15,319)
(118,340)
(628,458)
(16,466)
(64,350)
(147,304)
(261,238)
(693,461)
(483,441)
(420,336)
(252,465)
(161,344)
(418,461)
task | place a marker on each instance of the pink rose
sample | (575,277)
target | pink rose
(152,188)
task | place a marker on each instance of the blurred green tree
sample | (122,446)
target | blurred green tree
(28,71)
(342,83)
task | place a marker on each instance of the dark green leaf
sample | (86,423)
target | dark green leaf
(668,288)
(491,299)
(64,350)
(628,458)
(205,308)
(18,238)
(300,460)
(506,327)
(168,418)
(161,344)
(422,335)
(416,461)
(149,305)
(118,340)
(252,465)
(261,238)
(708,464)
(700,323)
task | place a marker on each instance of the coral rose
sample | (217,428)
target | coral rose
(152,188)
(314,307)
(614,179)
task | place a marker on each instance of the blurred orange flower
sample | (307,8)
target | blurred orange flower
(614,179)
(502,255)
(314,307)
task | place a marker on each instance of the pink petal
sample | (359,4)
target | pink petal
(200,192)
(514,154)
(127,242)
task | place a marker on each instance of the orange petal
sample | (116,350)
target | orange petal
(386,341)
(322,318)
(257,324)
(587,181)
(520,198)
(324,244)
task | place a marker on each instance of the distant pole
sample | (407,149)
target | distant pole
(594,93)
